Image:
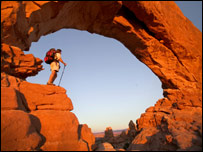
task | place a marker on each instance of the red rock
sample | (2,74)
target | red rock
(169,138)
(177,126)
(45,97)
(9,81)
(15,63)
(86,135)
(17,132)
(60,130)
(151,139)
(57,126)
(10,99)
(148,16)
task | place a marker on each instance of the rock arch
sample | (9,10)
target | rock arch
(157,33)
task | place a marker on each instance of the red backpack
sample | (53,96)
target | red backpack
(50,56)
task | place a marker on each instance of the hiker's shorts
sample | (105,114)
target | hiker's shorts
(55,66)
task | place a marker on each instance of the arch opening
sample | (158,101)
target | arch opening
(103,78)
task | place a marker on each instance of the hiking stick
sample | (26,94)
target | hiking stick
(62,74)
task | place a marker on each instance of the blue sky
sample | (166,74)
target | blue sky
(108,86)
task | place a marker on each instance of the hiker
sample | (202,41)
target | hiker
(55,66)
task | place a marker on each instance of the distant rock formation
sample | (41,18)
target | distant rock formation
(156,32)
(120,141)
(108,133)
(131,132)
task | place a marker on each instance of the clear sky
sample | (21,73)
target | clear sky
(108,86)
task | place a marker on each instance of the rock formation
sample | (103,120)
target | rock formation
(16,63)
(86,135)
(38,117)
(108,134)
(156,32)
(120,141)
(132,131)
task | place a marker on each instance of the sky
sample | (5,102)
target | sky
(108,86)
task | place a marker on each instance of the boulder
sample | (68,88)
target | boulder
(45,97)
(18,132)
(86,135)
(16,63)
(59,129)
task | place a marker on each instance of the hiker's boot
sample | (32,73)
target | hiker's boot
(49,83)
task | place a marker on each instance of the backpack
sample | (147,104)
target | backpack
(50,56)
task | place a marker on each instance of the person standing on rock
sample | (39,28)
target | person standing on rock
(55,66)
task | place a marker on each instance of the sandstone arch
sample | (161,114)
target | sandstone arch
(157,33)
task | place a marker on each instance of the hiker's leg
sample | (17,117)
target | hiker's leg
(54,68)
(55,75)
(51,78)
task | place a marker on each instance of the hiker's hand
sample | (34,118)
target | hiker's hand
(65,64)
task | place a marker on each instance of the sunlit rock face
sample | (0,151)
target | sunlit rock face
(157,33)
(16,63)
(39,117)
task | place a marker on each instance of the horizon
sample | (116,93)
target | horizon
(107,84)
(118,130)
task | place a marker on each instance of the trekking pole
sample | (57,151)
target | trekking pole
(62,74)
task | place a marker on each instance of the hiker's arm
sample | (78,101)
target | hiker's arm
(62,61)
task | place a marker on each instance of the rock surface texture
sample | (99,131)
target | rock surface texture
(156,32)
(39,117)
